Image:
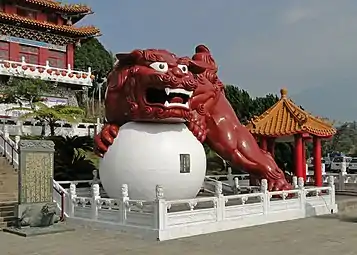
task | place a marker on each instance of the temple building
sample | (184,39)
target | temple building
(287,122)
(38,39)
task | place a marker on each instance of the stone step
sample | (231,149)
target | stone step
(7,212)
(7,206)
(8,218)
(4,224)
(8,196)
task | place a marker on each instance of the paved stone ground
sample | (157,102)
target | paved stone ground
(332,234)
(324,235)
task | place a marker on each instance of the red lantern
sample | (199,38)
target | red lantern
(13,65)
(24,67)
(84,76)
(64,73)
(49,71)
(78,75)
(58,73)
(7,64)
(71,75)
(32,68)
(41,70)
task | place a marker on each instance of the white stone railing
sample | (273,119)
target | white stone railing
(63,129)
(165,219)
(9,148)
(46,72)
(343,181)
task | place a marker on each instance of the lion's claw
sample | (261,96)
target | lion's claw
(279,184)
(105,138)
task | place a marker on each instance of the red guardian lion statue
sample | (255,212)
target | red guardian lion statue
(157,86)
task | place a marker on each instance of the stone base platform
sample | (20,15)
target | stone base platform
(36,231)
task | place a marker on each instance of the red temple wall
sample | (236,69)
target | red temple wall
(36,55)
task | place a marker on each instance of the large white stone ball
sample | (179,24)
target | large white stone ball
(148,154)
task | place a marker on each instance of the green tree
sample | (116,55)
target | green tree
(345,140)
(50,115)
(18,90)
(93,54)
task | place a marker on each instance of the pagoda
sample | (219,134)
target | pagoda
(38,39)
(287,122)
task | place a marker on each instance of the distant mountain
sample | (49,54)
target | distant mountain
(336,102)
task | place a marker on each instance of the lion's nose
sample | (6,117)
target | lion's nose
(177,72)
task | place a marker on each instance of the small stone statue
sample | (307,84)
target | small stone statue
(39,216)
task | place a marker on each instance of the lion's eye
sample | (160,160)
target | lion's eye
(183,68)
(160,66)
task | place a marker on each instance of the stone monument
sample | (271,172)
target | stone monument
(36,211)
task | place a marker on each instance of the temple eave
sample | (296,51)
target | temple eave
(65,8)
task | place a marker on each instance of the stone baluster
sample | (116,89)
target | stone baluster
(344,168)
(331,184)
(295,182)
(341,180)
(72,199)
(302,193)
(160,208)
(6,146)
(236,187)
(265,198)
(17,140)
(15,154)
(95,200)
(95,177)
(218,189)
(124,203)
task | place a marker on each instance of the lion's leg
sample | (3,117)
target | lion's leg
(105,138)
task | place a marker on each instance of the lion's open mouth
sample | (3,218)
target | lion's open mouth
(168,97)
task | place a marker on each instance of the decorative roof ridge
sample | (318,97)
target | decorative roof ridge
(302,115)
(46,24)
(299,114)
(79,8)
(266,113)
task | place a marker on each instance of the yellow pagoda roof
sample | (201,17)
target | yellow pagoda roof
(72,30)
(70,8)
(285,118)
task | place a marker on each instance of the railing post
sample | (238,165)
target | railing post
(341,181)
(123,203)
(6,138)
(160,209)
(236,187)
(95,198)
(331,184)
(265,196)
(218,188)
(302,194)
(72,199)
(295,182)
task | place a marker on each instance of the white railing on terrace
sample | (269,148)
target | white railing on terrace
(46,72)
(165,219)
(62,129)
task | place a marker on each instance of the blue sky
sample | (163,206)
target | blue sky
(260,45)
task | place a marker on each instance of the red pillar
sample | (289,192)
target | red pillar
(264,143)
(14,51)
(317,161)
(70,55)
(298,156)
(271,146)
(304,159)
(43,56)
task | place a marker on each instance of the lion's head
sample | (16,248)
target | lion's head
(151,85)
